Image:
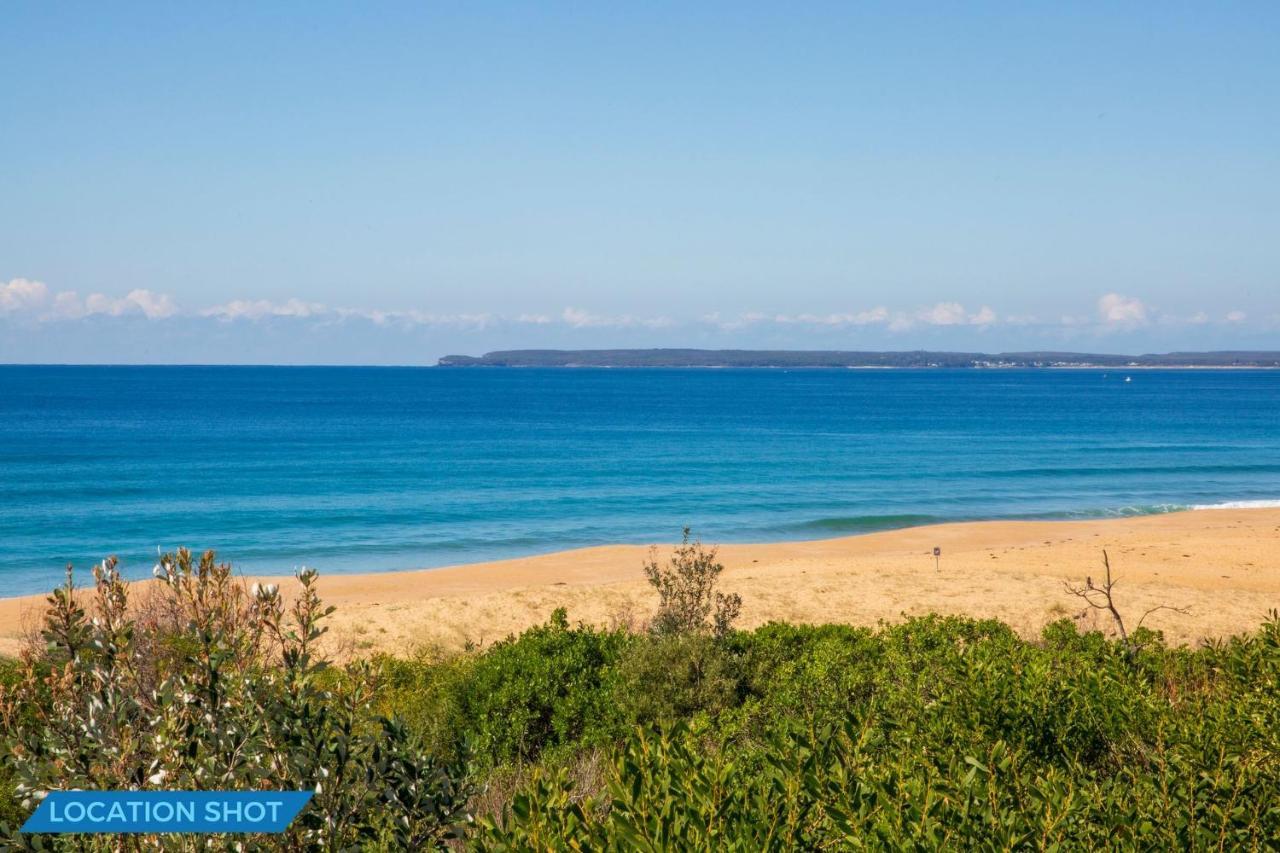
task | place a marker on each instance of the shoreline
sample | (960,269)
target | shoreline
(1222,563)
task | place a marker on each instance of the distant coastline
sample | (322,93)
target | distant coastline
(916,359)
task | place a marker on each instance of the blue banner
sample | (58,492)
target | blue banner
(167,811)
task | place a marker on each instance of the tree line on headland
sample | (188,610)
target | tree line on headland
(836,358)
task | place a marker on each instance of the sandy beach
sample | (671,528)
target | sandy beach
(1222,565)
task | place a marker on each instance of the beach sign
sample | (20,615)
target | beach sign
(937,558)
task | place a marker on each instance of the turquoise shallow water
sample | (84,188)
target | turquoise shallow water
(351,469)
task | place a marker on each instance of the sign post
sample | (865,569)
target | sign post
(937,558)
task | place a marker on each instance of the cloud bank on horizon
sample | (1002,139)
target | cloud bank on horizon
(39,321)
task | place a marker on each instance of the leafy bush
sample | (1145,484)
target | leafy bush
(11,811)
(547,688)
(688,602)
(230,694)
(940,732)
(674,677)
(814,674)
(425,692)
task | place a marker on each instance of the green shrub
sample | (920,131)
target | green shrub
(544,689)
(674,677)
(232,693)
(835,791)
(11,811)
(936,733)
(688,602)
(812,673)
(425,692)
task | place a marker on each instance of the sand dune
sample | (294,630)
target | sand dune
(1224,565)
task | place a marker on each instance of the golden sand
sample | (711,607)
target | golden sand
(1223,565)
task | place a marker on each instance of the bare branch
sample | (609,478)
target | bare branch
(1101,597)
(1185,611)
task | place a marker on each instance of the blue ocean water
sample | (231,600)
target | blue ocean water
(358,469)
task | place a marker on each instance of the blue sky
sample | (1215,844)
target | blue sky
(387,183)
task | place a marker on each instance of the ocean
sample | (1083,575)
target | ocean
(364,469)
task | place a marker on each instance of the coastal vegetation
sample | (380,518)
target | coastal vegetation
(681,733)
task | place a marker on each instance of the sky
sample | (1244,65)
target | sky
(388,183)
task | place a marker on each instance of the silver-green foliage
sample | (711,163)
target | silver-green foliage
(209,686)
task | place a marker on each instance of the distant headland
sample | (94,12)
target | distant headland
(853,359)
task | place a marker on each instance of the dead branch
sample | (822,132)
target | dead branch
(1101,597)
(1185,611)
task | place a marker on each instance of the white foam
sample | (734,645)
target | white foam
(1145,509)
(1265,504)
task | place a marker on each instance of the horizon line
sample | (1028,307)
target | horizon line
(439,362)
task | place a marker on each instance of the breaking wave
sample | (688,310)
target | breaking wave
(1263,504)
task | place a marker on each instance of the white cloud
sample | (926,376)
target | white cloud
(67,305)
(422,318)
(97,303)
(877,316)
(580,319)
(901,322)
(984,317)
(22,294)
(743,320)
(413,317)
(1121,311)
(1114,313)
(861,318)
(155,306)
(256,309)
(944,314)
